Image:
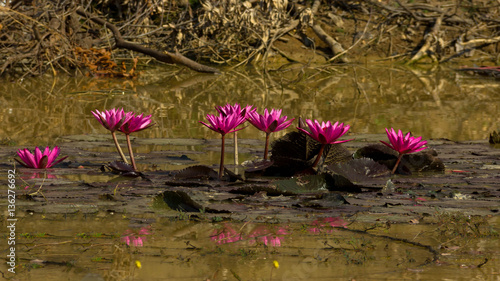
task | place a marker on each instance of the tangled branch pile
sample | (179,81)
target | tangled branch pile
(39,36)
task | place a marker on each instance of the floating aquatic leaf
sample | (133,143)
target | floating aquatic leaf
(494,138)
(257,166)
(310,183)
(181,201)
(426,160)
(359,170)
(337,182)
(197,172)
(124,169)
(295,152)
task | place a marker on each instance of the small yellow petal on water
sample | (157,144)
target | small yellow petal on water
(276,264)
(138,264)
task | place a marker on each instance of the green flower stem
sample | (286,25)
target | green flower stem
(266,149)
(236,148)
(119,148)
(221,168)
(319,155)
(130,152)
(397,163)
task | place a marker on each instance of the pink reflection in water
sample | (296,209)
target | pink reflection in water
(262,234)
(136,239)
(27,176)
(326,224)
(226,235)
(268,237)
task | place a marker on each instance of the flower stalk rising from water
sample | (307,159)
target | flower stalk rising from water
(224,124)
(235,109)
(325,133)
(403,144)
(112,120)
(269,122)
(39,159)
(134,124)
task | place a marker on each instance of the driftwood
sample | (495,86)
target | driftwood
(161,56)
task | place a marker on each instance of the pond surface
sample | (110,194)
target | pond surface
(434,103)
(106,246)
(66,238)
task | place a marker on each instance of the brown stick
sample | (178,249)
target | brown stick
(165,56)
(427,40)
(334,45)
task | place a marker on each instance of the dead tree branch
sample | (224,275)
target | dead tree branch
(165,56)
(429,38)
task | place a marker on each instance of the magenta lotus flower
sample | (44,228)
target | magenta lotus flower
(112,119)
(134,124)
(403,144)
(268,123)
(229,109)
(325,133)
(39,159)
(224,124)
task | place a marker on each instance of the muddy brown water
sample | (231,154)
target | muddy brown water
(95,225)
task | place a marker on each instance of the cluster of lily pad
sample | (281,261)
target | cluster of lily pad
(227,120)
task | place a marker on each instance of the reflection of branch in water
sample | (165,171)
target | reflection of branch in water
(360,91)
(428,88)
(191,81)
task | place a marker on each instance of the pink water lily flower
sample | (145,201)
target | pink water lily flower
(229,109)
(136,123)
(224,124)
(39,159)
(403,144)
(268,123)
(112,119)
(325,133)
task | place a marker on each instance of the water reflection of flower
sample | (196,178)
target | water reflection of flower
(38,176)
(326,224)
(269,238)
(261,234)
(136,239)
(227,235)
